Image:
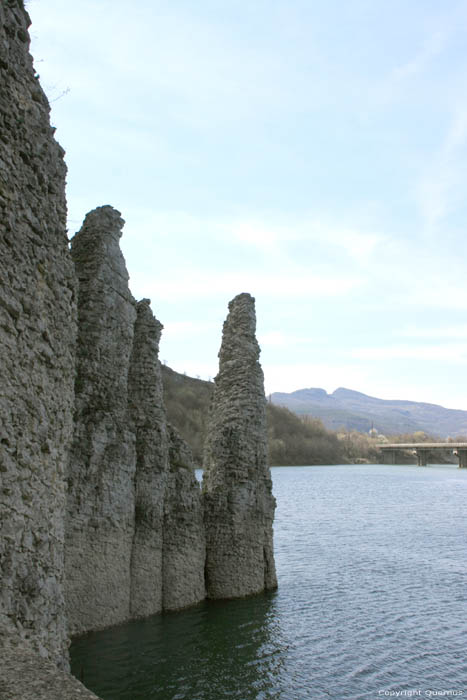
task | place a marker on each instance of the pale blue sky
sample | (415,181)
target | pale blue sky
(311,152)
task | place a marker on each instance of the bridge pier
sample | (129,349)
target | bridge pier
(389,456)
(422,457)
(424,451)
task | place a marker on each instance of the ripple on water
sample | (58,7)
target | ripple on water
(372,571)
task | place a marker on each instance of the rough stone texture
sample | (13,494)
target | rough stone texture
(101,500)
(184,536)
(239,505)
(25,675)
(135,532)
(148,420)
(167,565)
(135,538)
(37,340)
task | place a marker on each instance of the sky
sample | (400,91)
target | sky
(310,152)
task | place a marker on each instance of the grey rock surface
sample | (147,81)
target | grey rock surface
(25,675)
(81,405)
(167,565)
(239,505)
(37,345)
(184,535)
(135,541)
(148,420)
(101,498)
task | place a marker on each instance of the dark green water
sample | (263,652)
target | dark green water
(232,644)
(372,601)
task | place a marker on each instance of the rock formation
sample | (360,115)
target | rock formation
(184,537)
(135,538)
(37,337)
(239,505)
(24,675)
(167,566)
(147,414)
(81,401)
(101,499)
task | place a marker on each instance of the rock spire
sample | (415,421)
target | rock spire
(37,340)
(168,553)
(239,505)
(101,506)
(135,538)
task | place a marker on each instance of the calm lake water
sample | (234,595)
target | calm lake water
(372,600)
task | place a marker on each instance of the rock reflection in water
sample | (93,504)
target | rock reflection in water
(215,650)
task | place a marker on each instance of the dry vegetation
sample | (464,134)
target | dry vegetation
(293,440)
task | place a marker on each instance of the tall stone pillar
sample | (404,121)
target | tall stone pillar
(168,554)
(135,532)
(148,420)
(184,537)
(239,505)
(37,351)
(101,499)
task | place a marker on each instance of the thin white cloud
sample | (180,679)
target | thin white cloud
(189,284)
(438,353)
(187,329)
(401,78)
(167,72)
(442,185)
(436,291)
(360,246)
(431,47)
(434,332)
(279,339)
(270,237)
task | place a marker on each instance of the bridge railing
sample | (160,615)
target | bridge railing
(424,450)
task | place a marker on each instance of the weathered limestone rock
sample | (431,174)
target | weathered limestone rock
(239,505)
(184,536)
(134,525)
(147,414)
(24,675)
(37,344)
(167,565)
(101,500)
(135,532)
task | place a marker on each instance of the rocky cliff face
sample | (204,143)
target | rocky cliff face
(135,538)
(184,536)
(37,337)
(239,506)
(101,500)
(167,565)
(81,403)
(148,421)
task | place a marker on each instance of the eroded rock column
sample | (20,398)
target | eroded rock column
(37,345)
(101,501)
(239,505)
(167,566)
(184,536)
(148,420)
(135,533)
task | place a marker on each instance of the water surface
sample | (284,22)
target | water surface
(372,600)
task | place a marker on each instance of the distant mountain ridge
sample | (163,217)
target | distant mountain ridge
(356,411)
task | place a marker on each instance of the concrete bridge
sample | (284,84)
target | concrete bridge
(424,450)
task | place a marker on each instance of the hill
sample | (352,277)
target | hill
(353,410)
(292,440)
